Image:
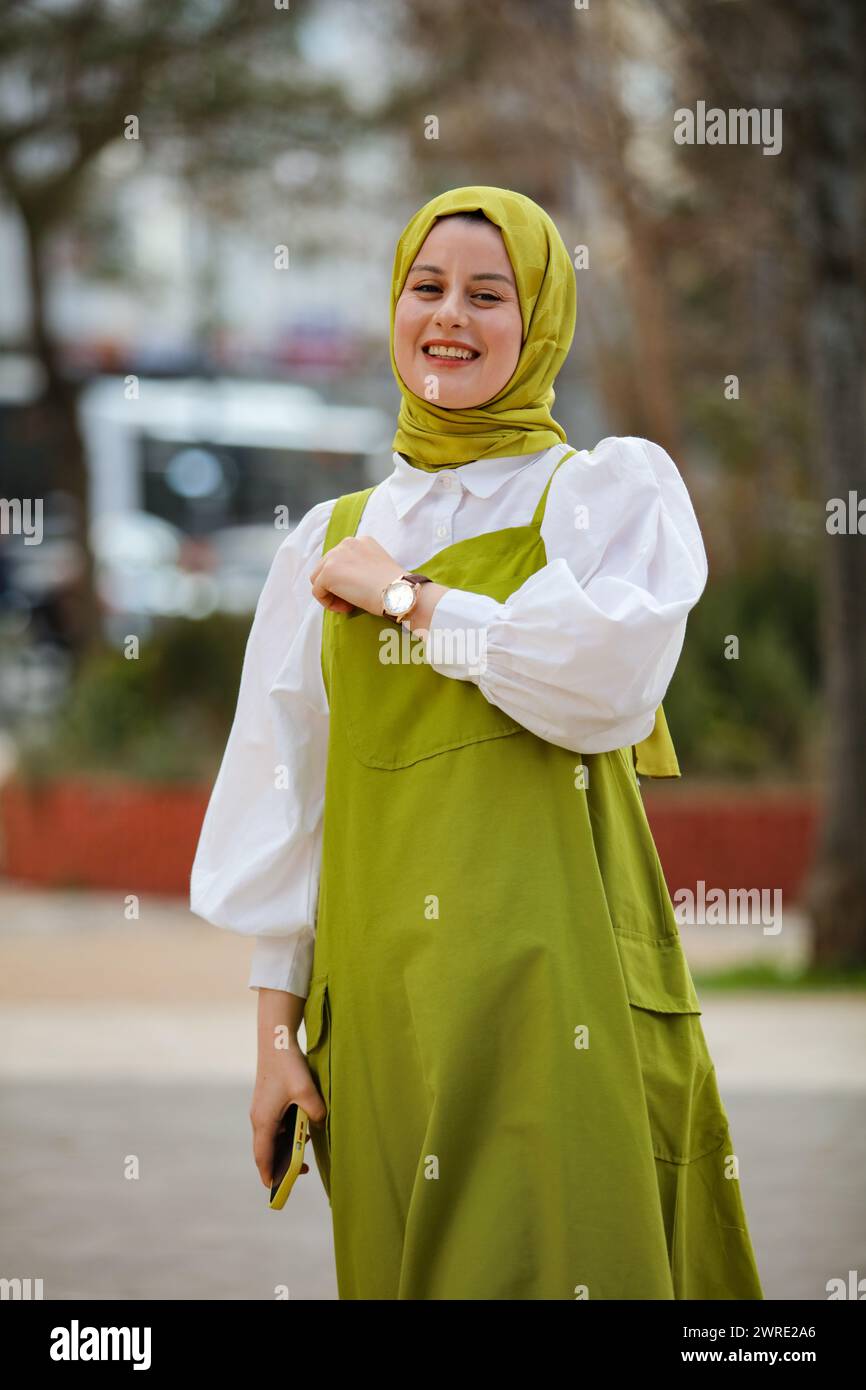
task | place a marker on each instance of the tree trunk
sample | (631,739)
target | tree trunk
(833,127)
(654,366)
(58,403)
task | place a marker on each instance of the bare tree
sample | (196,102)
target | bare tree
(222,80)
(809,60)
(537,103)
(832,130)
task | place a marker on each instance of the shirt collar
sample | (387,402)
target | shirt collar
(407,485)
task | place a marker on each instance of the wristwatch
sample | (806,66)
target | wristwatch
(401,595)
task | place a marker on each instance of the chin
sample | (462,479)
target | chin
(454,402)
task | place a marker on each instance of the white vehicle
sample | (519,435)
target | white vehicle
(195,483)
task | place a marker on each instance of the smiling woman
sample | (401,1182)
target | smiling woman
(449,858)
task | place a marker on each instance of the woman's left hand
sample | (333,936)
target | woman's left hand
(352,574)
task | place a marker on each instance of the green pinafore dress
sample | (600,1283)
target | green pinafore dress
(501,1019)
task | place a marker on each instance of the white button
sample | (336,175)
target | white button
(448,481)
(441,531)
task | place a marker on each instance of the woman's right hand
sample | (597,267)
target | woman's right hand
(282,1079)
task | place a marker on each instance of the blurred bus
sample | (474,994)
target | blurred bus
(206,477)
(194,484)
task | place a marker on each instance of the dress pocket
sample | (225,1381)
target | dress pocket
(317,1023)
(686,1115)
(399,711)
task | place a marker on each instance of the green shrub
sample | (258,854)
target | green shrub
(754,714)
(164,715)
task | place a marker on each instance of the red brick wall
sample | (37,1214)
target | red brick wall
(136,838)
(744,838)
(90,835)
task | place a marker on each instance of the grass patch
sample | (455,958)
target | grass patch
(783,978)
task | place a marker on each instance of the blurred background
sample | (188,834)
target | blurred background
(199,202)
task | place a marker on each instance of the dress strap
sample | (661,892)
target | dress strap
(343,522)
(542,501)
(346,516)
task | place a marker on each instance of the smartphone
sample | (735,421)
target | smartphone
(288,1154)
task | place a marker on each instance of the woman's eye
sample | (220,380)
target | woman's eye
(478,294)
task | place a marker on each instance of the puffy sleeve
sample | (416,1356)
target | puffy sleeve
(583,652)
(257,863)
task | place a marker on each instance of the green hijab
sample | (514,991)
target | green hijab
(518,419)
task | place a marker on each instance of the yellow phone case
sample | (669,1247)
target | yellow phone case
(301,1129)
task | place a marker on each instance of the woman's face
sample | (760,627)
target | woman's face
(460,291)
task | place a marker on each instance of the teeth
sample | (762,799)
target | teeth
(437,351)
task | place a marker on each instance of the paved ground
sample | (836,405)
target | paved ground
(138,1038)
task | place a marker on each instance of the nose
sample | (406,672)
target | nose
(450,309)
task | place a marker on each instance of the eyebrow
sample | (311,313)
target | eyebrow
(482,275)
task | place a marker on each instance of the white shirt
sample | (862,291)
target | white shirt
(582,654)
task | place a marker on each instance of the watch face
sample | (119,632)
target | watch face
(398,597)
